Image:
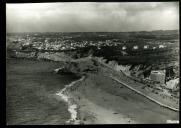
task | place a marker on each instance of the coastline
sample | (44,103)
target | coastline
(97,99)
(101,101)
(31,87)
(72,106)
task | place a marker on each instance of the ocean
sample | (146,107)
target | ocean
(31,93)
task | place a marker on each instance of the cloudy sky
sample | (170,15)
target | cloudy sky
(92,17)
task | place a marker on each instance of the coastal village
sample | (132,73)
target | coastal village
(165,81)
(66,43)
(91,63)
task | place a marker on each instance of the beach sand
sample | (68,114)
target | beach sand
(101,100)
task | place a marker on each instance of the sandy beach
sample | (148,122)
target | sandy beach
(101,100)
(98,98)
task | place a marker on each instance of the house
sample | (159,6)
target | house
(145,46)
(173,84)
(154,47)
(161,46)
(158,76)
(124,48)
(135,47)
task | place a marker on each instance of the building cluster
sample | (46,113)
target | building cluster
(62,43)
(156,77)
(67,43)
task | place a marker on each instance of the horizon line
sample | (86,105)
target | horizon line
(99,31)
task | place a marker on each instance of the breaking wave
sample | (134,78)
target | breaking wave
(72,107)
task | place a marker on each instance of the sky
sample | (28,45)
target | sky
(92,16)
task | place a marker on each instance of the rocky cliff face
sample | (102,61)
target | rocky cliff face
(61,56)
(80,66)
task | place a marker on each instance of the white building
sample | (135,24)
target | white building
(158,76)
(146,47)
(135,47)
(161,46)
(173,84)
(124,48)
(154,47)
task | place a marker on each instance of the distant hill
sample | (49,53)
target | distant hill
(95,33)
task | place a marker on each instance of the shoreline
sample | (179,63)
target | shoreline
(94,100)
(31,87)
(94,105)
(72,107)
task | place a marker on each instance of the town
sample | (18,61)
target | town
(164,75)
(92,63)
(33,41)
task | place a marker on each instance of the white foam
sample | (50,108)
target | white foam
(72,108)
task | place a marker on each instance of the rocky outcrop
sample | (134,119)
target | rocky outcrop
(25,54)
(58,56)
(78,66)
